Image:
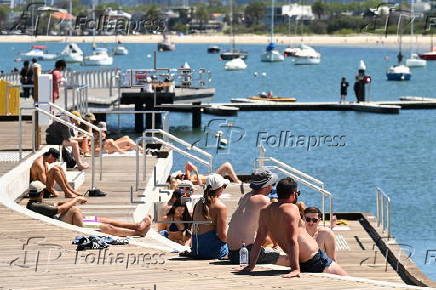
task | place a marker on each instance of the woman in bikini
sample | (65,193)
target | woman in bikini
(177,232)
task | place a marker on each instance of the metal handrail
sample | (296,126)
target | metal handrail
(69,125)
(291,169)
(171,146)
(182,142)
(383,211)
(313,186)
(98,129)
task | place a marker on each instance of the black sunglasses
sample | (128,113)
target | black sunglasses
(314,220)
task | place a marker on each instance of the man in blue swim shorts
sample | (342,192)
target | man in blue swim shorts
(282,221)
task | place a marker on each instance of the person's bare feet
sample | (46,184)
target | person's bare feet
(144,226)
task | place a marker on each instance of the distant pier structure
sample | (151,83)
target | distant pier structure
(155,87)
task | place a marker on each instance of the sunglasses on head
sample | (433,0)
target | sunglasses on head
(314,220)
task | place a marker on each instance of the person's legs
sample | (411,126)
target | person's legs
(64,177)
(51,179)
(227,169)
(126,143)
(73,217)
(139,229)
(111,147)
(76,153)
(56,174)
(335,269)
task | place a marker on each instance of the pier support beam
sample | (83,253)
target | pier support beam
(139,118)
(196,116)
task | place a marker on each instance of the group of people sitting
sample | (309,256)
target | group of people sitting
(275,229)
(60,134)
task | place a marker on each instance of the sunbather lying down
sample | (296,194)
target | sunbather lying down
(68,213)
(110,146)
(191,173)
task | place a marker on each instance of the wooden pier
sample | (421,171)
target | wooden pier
(360,248)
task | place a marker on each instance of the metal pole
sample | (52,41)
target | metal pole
(389,219)
(383,212)
(137,170)
(66,97)
(331,211)
(323,207)
(93,162)
(377,207)
(101,156)
(20,134)
(34,127)
(144,174)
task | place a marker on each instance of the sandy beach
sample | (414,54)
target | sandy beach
(358,40)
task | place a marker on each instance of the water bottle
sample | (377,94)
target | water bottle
(243,256)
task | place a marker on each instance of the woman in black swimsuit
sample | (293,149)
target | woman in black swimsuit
(177,232)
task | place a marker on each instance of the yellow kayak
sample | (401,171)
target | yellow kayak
(273,99)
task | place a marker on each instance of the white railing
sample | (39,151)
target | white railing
(383,211)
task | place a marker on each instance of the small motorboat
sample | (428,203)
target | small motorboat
(99,57)
(271,54)
(431,55)
(120,49)
(415,61)
(213,49)
(40,53)
(270,97)
(71,53)
(398,72)
(235,64)
(166,44)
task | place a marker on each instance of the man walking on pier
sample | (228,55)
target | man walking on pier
(282,220)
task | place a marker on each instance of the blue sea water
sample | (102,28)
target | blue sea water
(393,152)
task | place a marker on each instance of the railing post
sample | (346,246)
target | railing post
(34,128)
(93,162)
(382,217)
(377,203)
(20,135)
(144,174)
(137,169)
(389,219)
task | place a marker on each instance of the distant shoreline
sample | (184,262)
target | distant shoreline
(359,40)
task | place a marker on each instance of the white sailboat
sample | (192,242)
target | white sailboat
(271,54)
(71,53)
(39,52)
(233,52)
(414,60)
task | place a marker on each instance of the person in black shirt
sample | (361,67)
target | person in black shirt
(26,78)
(344,88)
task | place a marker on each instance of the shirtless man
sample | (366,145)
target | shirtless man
(40,171)
(283,222)
(324,236)
(245,220)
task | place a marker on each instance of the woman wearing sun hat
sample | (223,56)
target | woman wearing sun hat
(209,240)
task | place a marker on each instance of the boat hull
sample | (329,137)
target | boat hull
(427,56)
(412,62)
(121,51)
(398,76)
(166,46)
(273,99)
(306,61)
(98,62)
(272,56)
(213,50)
(71,58)
(228,55)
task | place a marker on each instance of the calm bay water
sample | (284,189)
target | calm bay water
(394,152)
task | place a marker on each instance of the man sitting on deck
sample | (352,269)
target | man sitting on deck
(40,171)
(68,213)
(324,236)
(244,223)
(282,220)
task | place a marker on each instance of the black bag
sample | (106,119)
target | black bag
(68,158)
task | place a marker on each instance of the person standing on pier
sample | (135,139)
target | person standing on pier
(344,89)
(26,78)
(60,66)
